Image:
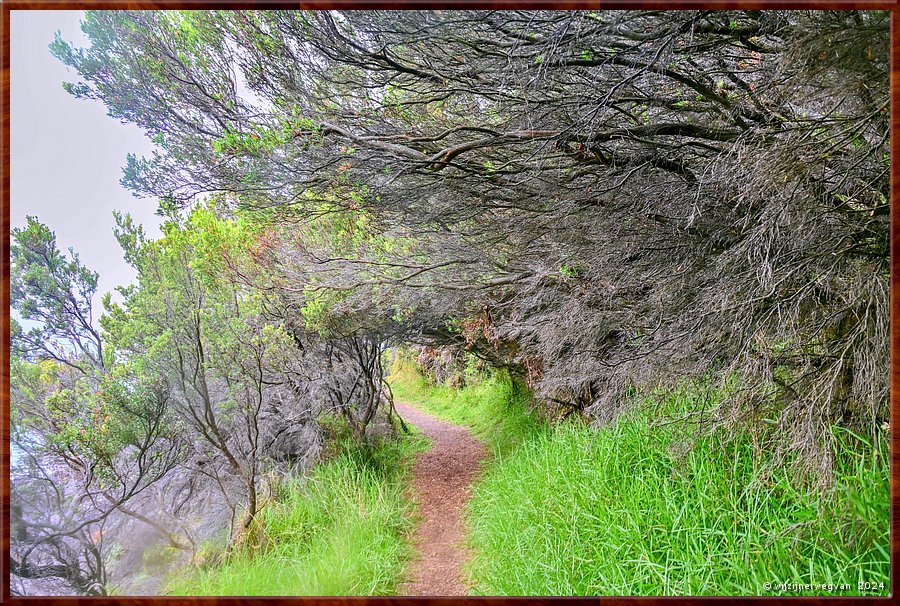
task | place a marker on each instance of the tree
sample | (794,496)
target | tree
(627,198)
(232,375)
(83,458)
(89,435)
(55,292)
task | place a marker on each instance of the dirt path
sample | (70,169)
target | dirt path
(442,478)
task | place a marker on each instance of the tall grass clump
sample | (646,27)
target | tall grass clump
(343,530)
(630,510)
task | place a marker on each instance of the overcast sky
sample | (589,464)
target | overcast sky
(66,154)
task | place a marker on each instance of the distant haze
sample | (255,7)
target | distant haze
(66,154)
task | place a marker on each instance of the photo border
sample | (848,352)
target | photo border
(9,5)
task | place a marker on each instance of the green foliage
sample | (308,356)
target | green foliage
(496,407)
(258,139)
(188,41)
(341,531)
(70,398)
(187,274)
(192,321)
(83,422)
(30,382)
(344,226)
(55,292)
(91,418)
(625,509)
(572,270)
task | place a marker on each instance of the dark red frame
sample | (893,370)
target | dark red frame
(8,5)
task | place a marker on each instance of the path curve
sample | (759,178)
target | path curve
(442,479)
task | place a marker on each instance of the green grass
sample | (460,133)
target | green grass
(571,510)
(341,531)
(494,406)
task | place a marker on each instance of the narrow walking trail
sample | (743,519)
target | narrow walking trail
(442,478)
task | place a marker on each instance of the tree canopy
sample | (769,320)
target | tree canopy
(618,197)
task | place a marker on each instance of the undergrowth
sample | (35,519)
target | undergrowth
(340,531)
(638,509)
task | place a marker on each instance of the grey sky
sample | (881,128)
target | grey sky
(66,154)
